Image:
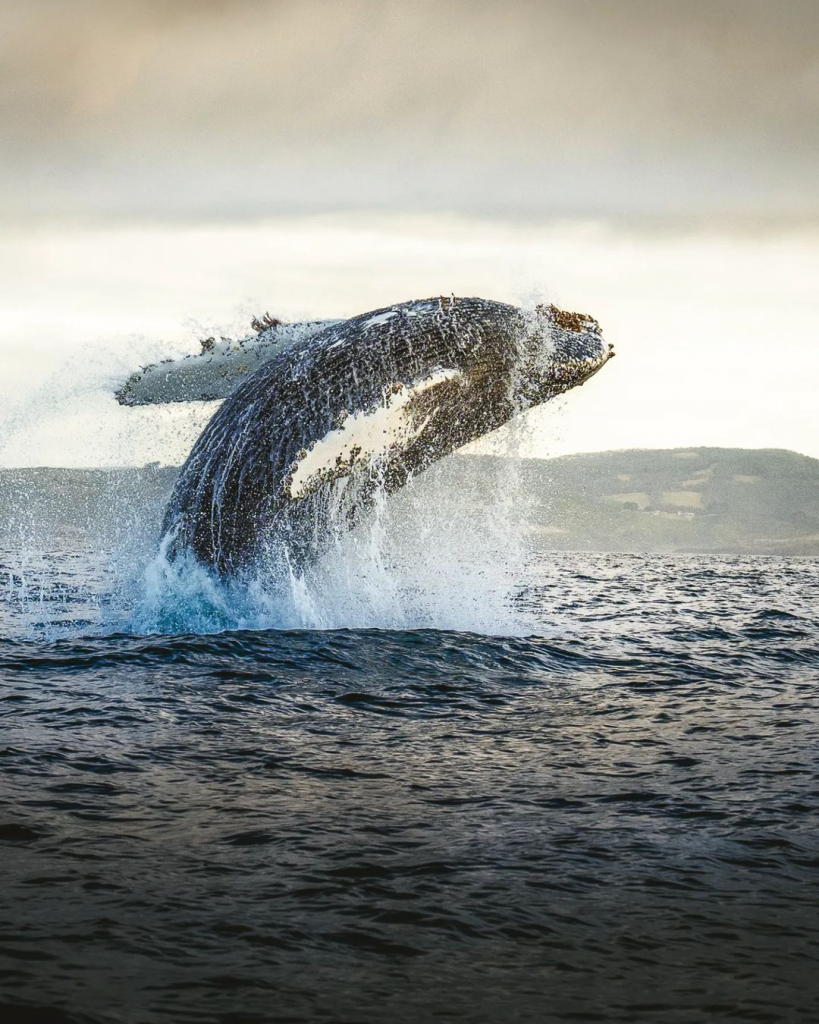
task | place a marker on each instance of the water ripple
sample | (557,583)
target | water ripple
(611,819)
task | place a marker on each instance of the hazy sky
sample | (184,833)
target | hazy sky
(209,109)
(651,162)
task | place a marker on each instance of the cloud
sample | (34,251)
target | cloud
(646,109)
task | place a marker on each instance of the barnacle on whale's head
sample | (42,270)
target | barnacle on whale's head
(565,320)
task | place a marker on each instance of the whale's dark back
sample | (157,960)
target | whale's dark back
(234,498)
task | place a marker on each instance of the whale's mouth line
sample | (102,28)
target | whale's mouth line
(538,384)
(597,365)
(610,353)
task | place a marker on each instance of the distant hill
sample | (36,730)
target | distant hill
(101,503)
(763,501)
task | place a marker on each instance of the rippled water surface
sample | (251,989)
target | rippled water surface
(614,819)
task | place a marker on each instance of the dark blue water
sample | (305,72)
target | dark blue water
(615,819)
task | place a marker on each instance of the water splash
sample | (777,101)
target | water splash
(446,552)
(433,556)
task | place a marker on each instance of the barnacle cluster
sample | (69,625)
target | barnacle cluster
(567,321)
(264,322)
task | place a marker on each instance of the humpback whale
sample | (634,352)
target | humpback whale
(335,413)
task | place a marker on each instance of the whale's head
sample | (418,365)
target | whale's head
(512,359)
(555,352)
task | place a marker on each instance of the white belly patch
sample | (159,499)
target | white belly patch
(364,436)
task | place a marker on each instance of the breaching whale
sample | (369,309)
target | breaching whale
(337,413)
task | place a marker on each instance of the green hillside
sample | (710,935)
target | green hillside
(693,499)
(101,503)
(763,501)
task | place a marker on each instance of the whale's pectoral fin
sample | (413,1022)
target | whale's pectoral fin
(216,371)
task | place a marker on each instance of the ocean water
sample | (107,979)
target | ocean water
(585,788)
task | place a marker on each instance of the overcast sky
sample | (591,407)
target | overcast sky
(213,109)
(173,165)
